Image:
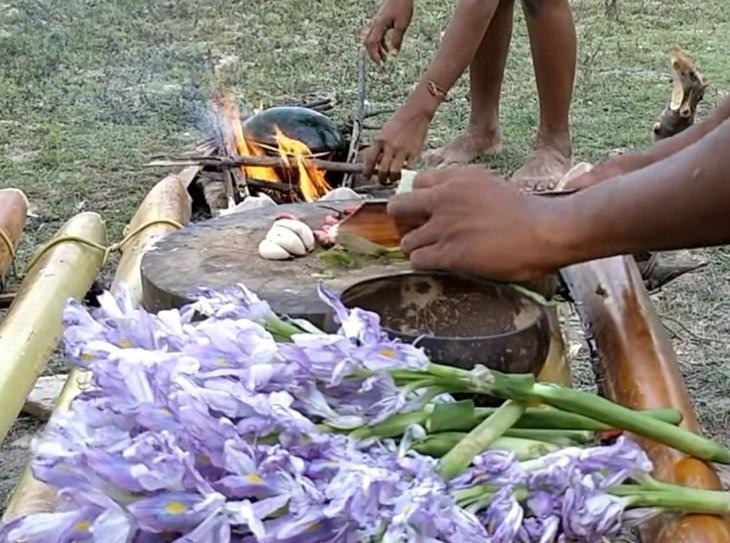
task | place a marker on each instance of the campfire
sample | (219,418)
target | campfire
(302,179)
(286,153)
(289,154)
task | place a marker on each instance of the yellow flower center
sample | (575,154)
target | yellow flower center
(313,527)
(82,526)
(87,357)
(254,478)
(390,353)
(176,508)
(125,343)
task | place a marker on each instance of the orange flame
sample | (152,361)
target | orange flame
(312,180)
(231,120)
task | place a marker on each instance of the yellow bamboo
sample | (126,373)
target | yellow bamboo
(167,200)
(32,327)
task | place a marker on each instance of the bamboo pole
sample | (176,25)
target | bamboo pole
(32,327)
(13,212)
(167,200)
(633,353)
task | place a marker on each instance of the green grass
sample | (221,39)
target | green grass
(89,90)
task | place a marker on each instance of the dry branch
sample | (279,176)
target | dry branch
(358,116)
(267,161)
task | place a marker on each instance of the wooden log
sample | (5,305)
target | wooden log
(633,355)
(167,200)
(31,329)
(13,212)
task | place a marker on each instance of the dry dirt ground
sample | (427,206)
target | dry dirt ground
(89,90)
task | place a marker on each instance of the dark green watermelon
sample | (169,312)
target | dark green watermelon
(315,130)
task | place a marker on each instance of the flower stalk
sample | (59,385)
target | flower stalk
(480,438)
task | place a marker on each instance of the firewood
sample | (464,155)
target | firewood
(688,88)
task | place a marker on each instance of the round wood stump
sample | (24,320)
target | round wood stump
(222,252)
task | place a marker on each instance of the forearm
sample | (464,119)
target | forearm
(680,202)
(634,161)
(465,32)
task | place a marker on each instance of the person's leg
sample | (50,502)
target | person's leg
(485,78)
(553,44)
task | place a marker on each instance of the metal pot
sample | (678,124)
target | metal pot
(459,321)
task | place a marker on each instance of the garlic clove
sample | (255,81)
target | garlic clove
(300,229)
(287,240)
(272,251)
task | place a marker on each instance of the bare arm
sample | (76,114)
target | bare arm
(661,150)
(467,221)
(402,137)
(679,202)
(460,43)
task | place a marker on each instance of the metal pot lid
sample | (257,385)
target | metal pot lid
(315,130)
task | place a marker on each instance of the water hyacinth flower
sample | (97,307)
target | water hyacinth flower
(213,431)
(503,517)
(236,302)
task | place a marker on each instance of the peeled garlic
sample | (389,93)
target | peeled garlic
(272,251)
(287,240)
(300,229)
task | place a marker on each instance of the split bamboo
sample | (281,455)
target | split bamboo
(168,200)
(13,212)
(32,327)
(639,369)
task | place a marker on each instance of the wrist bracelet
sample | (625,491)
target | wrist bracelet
(435,90)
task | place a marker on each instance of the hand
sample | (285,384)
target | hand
(466,220)
(394,15)
(400,140)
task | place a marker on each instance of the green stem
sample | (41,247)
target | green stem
(563,438)
(676,498)
(624,418)
(550,417)
(437,445)
(480,438)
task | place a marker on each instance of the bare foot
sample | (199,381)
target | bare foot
(542,170)
(463,149)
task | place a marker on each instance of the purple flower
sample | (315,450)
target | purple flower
(503,517)
(492,468)
(426,512)
(613,464)
(175,511)
(312,527)
(355,324)
(236,302)
(589,514)
(539,530)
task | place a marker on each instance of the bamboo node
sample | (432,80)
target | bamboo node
(107,250)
